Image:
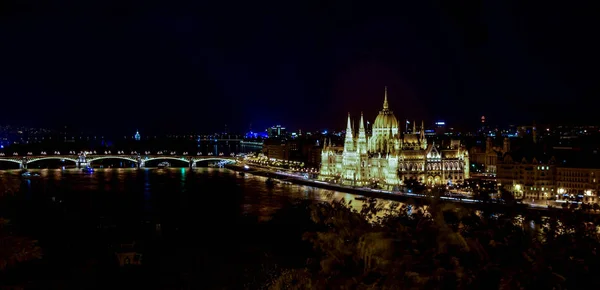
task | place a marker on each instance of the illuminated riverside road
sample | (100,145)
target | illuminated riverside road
(381,194)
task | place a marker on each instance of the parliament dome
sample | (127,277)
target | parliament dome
(386,118)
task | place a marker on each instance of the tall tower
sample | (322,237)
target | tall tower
(350,158)
(349,141)
(137,136)
(422,136)
(325,170)
(467,168)
(362,137)
(506,147)
(489,146)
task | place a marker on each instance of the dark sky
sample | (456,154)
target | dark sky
(122,65)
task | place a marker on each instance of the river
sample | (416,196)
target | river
(197,225)
(80,218)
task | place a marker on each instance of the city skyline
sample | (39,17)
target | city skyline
(189,66)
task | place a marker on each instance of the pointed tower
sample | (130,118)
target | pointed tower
(467,164)
(506,145)
(422,136)
(414,127)
(326,167)
(385,101)
(362,136)
(349,141)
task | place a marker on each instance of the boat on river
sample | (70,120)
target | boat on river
(164,165)
(28,174)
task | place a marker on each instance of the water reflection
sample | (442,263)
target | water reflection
(159,194)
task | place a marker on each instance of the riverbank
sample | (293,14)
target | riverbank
(418,199)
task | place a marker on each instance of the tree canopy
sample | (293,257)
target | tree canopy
(445,247)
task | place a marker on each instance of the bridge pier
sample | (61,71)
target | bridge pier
(82,164)
(192,163)
(23,164)
(140,162)
(82,161)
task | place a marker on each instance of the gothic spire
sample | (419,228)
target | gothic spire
(385,100)
(414,127)
(349,126)
(362,122)
(349,141)
(362,136)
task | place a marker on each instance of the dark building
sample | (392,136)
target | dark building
(307,150)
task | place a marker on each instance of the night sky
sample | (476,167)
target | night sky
(157,65)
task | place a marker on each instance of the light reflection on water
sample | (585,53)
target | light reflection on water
(107,183)
(159,192)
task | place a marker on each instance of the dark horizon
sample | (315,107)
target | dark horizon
(106,66)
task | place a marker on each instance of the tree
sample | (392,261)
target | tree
(443,246)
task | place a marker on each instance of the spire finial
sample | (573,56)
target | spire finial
(349,125)
(362,122)
(385,100)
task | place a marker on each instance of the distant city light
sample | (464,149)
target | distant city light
(440,123)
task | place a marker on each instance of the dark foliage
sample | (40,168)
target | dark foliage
(444,247)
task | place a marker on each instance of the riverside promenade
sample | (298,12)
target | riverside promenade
(411,198)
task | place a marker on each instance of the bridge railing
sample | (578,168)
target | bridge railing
(117,153)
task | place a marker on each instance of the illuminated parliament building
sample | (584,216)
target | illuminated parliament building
(390,157)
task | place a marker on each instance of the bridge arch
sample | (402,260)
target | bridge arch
(12,160)
(92,159)
(50,158)
(212,159)
(182,159)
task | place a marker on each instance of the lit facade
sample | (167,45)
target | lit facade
(578,181)
(534,180)
(388,157)
(528,179)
